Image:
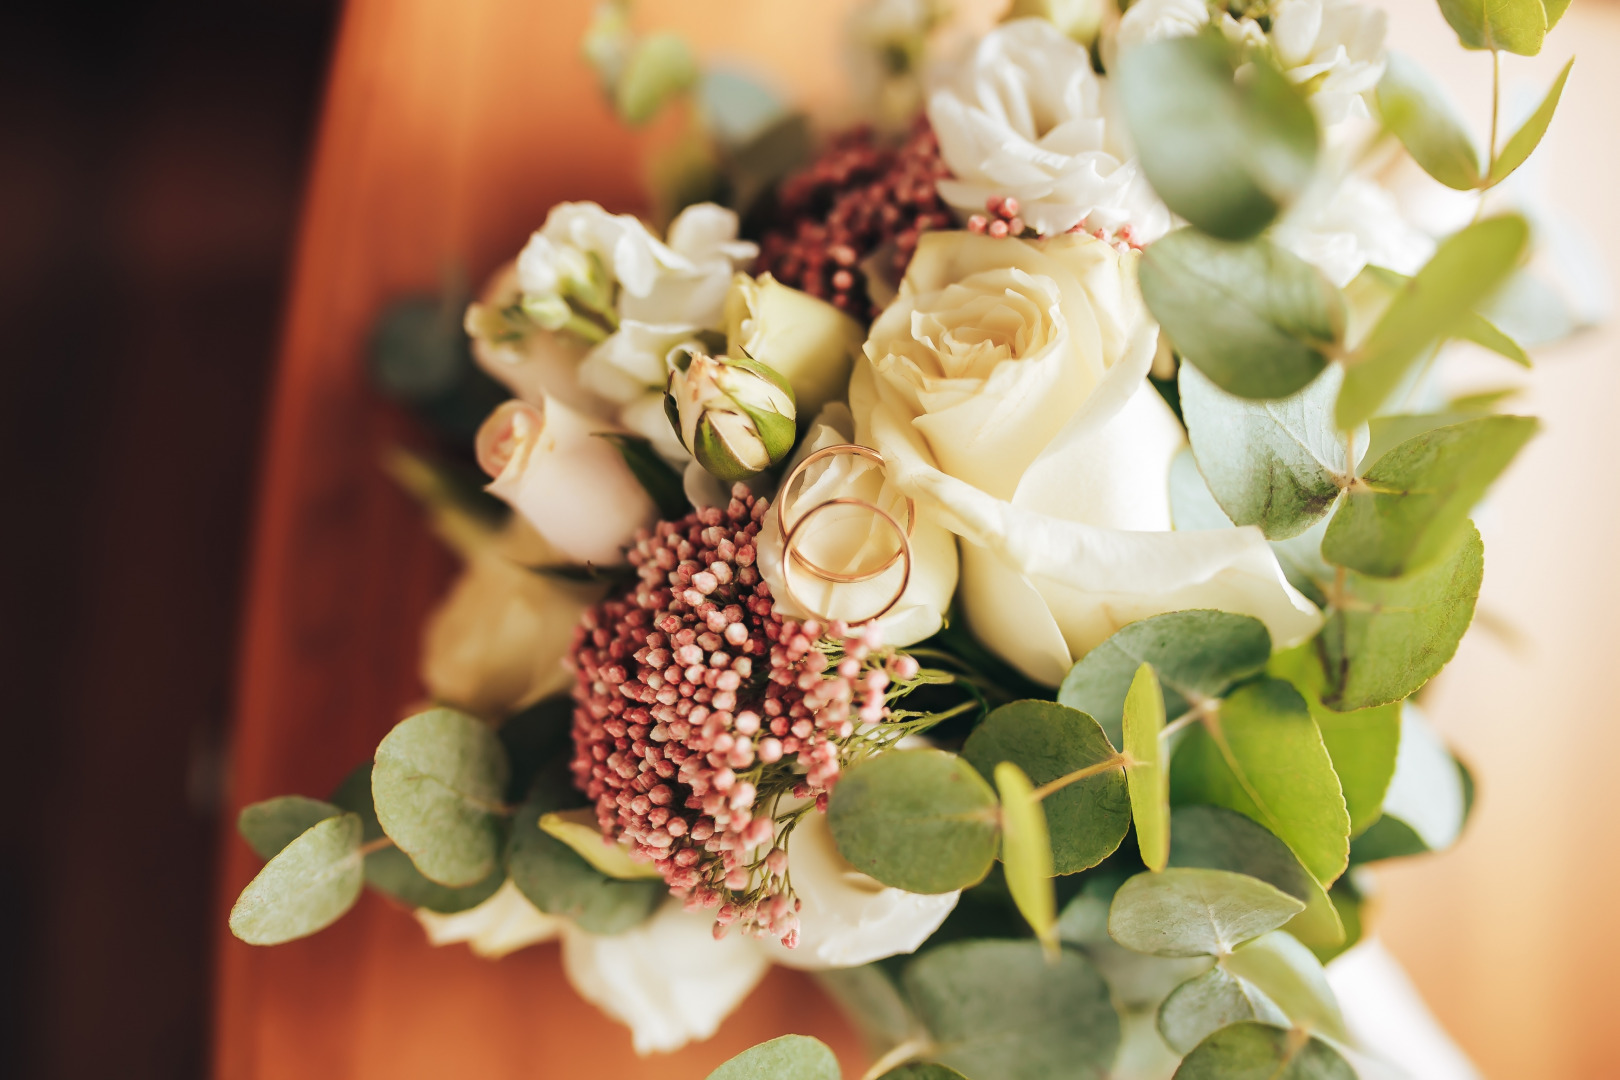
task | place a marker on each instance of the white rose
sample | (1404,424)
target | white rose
(668,979)
(1006,389)
(549,465)
(858,541)
(847,918)
(503,924)
(804,339)
(1334,46)
(1024,115)
(496,644)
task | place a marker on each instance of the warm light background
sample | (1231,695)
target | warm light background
(449,130)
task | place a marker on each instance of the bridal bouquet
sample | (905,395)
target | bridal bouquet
(987,554)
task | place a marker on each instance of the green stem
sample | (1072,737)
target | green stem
(1118,761)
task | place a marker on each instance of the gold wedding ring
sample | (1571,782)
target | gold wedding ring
(834,577)
(903,553)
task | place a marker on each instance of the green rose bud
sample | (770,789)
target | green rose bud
(735,416)
(807,341)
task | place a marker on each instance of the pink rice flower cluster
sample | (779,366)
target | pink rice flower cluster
(861,196)
(698,708)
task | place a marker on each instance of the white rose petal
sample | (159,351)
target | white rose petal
(1337,46)
(668,979)
(573,487)
(503,924)
(847,918)
(1148,21)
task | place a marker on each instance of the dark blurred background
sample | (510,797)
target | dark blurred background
(152,161)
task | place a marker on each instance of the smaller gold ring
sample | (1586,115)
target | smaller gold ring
(904,553)
(855,449)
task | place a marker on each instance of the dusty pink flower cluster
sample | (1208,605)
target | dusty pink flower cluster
(698,707)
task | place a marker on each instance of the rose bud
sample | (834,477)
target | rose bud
(807,341)
(735,416)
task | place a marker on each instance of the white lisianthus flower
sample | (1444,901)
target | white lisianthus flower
(847,918)
(604,281)
(1346,223)
(1006,389)
(668,979)
(858,541)
(549,465)
(1335,48)
(503,924)
(496,644)
(1024,115)
(533,364)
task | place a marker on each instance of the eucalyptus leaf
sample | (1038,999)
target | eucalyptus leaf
(306,887)
(1465,270)
(1192,505)
(1277,464)
(1416,109)
(789,1057)
(1264,758)
(1427,803)
(1256,1051)
(1215,838)
(874,1004)
(580,831)
(438,785)
(1384,639)
(271,825)
(1196,912)
(919,820)
(1201,1006)
(1409,507)
(1555,11)
(1000,1010)
(1195,654)
(738,109)
(391,872)
(1348,901)
(923,1071)
(1026,853)
(660,67)
(1515,26)
(533,737)
(1145,770)
(1486,334)
(1523,143)
(1227,154)
(1292,977)
(1363,744)
(1087,819)
(655,475)
(1257,320)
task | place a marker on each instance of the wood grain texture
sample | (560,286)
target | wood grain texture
(449,129)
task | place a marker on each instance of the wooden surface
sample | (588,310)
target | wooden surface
(450,128)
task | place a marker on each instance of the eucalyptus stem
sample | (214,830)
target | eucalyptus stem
(382,843)
(1496,114)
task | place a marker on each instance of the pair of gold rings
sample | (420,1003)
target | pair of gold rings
(792,533)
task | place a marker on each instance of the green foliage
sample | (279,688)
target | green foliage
(438,784)
(660,68)
(791,1057)
(1265,759)
(1418,112)
(1466,269)
(1195,654)
(1214,838)
(1259,321)
(1290,975)
(306,887)
(1428,800)
(923,1071)
(1524,141)
(1000,1010)
(1256,1051)
(1515,26)
(580,831)
(1087,819)
(271,825)
(919,820)
(1201,1006)
(1026,853)
(655,475)
(1145,770)
(1409,508)
(533,738)
(1195,912)
(1277,464)
(1384,639)
(1225,153)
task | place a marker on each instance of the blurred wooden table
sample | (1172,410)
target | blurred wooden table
(449,130)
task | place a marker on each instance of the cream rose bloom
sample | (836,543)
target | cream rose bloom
(1006,389)
(1025,115)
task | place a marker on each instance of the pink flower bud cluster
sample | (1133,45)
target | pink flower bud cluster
(697,707)
(1000,218)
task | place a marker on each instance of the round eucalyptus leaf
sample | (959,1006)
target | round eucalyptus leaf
(1194,654)
(1086,820)
(919,820)
(923,1071)
(438,785)
(1257,320)
(1199,1007)
(1256,1051)
(1145,773)
(534,737)
(305,888)
(790,1057)
(1416,109)
(1026,852)
(1227,154)
(271,825)
(1186,912)
(1515,26)
(1290,975)
(1001,1010)
(659,69)
(1427,802)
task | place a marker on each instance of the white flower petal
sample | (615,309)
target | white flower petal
(503,924)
